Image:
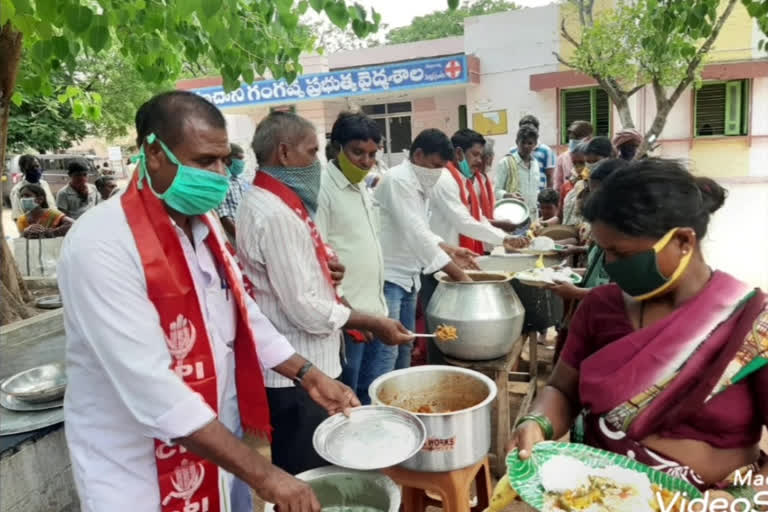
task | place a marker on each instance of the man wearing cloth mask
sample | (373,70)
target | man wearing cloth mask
(348,220)
(626,143)
(579,131)
(458,215)
(165,349)
(287,263)
(408,244)
(237,187)
(33,172)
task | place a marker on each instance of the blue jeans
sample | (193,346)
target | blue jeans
(384,358)
(355,373)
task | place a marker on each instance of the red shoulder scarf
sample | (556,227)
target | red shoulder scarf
(469,198)
(323,252)
(187,480)
(487,197)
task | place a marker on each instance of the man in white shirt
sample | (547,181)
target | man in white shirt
(347,217)
(455,198)
(165,350)
(287,263)
(33,175)
(408,244)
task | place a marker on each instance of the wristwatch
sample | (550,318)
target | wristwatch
(299,378)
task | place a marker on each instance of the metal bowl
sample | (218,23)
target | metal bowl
(40,384)
(513,210)
(346,489)
(372,437)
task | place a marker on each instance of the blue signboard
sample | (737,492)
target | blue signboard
(353,82)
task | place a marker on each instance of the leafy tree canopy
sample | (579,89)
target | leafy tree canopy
(446,23)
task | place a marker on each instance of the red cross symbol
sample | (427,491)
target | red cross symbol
(453,69)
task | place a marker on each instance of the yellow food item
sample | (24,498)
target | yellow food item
(667,497)
(446,333)
(503,496)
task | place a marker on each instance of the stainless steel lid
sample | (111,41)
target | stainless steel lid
(512,210)
(372,437)
(39,384)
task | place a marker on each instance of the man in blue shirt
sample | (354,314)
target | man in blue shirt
(543,154)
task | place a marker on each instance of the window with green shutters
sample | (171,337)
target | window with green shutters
(591,105)
(722,108)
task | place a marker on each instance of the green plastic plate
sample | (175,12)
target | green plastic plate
(525,479)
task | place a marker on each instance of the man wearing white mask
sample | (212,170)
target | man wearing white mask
(165,350)
(408,244)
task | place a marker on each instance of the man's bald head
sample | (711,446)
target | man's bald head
(280,134)
(166,114)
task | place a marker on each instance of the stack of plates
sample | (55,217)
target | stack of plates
(33,399)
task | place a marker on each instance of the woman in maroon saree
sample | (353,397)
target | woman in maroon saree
(669,365)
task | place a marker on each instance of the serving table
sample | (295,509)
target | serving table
(509,380)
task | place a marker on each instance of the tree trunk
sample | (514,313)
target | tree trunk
(13,291)
(625,114)
(663,108)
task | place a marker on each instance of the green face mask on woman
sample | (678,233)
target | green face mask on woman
(193,191)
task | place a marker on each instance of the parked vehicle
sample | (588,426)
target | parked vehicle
(55,169)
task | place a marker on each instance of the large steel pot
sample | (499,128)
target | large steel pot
(337,487)
(487,314)
(455,406)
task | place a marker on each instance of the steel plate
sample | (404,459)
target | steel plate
(14,404)
(40,384)
(373,437)
(49,302)
(513,210)
(12,422)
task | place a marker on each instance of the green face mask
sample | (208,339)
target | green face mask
(237,167)
(193,191)
(465,169)
(350,171)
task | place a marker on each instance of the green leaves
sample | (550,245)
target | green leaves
(453,4)
(98,37)
(317,5)
(78,18)
(337,12)
(210,7)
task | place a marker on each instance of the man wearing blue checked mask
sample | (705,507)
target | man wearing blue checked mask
(237,187)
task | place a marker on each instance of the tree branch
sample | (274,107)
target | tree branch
(563,61)
(635,89)
(695,62)
(567,36)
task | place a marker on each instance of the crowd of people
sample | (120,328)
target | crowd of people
(199,307)
(33,207)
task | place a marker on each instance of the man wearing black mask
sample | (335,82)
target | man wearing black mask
(33,172)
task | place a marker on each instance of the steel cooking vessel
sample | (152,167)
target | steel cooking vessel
(487,314)
(336,487)
(459,422)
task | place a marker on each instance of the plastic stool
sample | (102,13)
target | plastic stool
(454,487)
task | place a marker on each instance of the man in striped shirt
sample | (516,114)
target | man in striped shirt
(286,262)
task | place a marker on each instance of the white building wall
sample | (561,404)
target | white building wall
(512,46)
